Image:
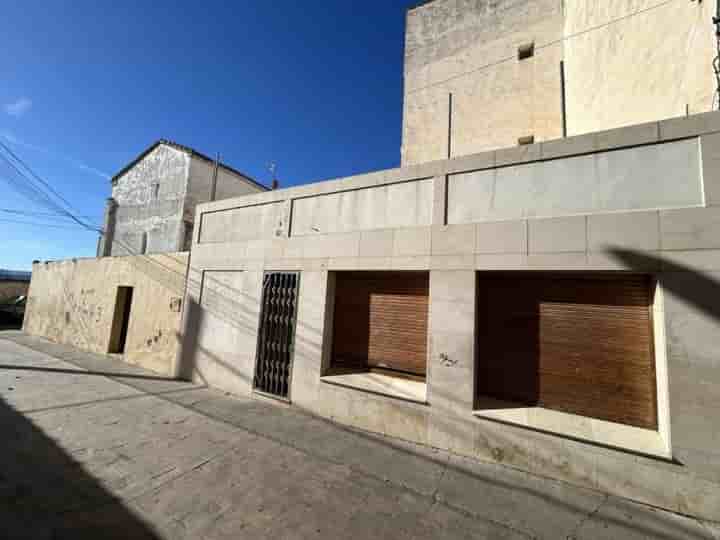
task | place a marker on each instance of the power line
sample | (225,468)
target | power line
(50,215)
(32,191)
(48,225)
(543,46)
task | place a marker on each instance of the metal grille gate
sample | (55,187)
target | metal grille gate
(276,334)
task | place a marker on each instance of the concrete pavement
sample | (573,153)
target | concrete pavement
(95,448)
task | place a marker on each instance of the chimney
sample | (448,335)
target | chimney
(275,184)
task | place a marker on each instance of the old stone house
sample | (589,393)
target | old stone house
(153,200)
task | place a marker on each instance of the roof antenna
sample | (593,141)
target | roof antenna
(273,170)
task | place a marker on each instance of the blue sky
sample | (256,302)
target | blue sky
(313,85)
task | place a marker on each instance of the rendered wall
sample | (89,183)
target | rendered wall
(199,187)
(73,302)
(663,219)
(626,62)
(448,43)
(640,68)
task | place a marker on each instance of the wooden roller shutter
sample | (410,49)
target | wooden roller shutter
(381,320)
(582,344)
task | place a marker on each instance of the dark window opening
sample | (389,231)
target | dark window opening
(526,51)
(381,322)
(121,320)
(188,235)
(528,139)
(143,243)
(576,343)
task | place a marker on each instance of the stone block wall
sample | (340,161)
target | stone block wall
(642,199)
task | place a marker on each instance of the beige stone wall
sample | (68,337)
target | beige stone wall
(618,220)
(626,62)
(626,69)
(73,302)
(448,46)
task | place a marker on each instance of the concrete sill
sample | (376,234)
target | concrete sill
(600,432)
(381,384)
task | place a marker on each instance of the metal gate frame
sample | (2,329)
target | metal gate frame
(261,326)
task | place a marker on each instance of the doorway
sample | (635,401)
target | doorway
(121,320)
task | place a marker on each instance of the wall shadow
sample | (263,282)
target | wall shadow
(687,284)
(45,493)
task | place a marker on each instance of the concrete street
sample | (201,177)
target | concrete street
(94,448)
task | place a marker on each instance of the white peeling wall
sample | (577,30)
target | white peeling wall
(138,212)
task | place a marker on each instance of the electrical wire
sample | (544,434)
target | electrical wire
(30,213)
(47,225)
(26,183)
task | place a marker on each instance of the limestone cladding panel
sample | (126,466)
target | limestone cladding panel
(225,320)
(240,224)
(407,204)
(73,302)
(648,177)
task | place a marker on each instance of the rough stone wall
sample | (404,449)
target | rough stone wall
(73,302)
(638,69)
(138,212)
(449,43)
(626,62)
(9,290)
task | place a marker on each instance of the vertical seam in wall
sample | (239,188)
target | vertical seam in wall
(446,200)
(659,231)
(450,125)
(289,217)
(527,238)
(701,170)
(587,240)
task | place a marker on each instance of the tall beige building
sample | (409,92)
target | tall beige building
(485,74)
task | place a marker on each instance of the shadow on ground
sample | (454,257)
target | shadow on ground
(46,494)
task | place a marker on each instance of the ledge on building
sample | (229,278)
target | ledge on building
(380,382)
(592,430)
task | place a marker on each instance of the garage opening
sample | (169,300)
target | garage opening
(381,322)
(576,343)
(121,320)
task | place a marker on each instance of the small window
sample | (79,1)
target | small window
(155,191)
(526,51)
(528,139)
